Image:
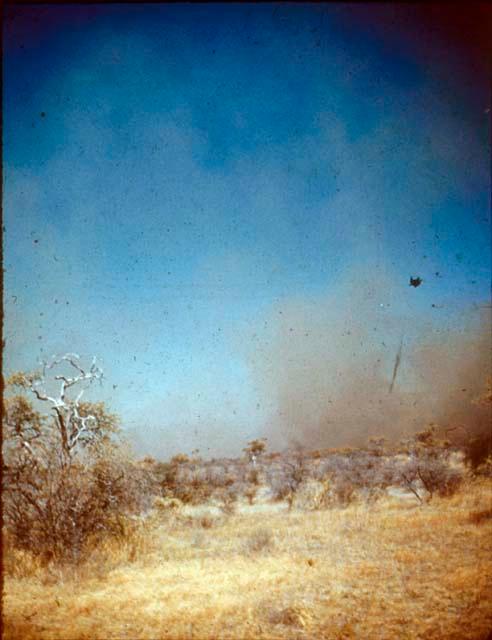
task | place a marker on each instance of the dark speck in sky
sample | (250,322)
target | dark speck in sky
(415,282)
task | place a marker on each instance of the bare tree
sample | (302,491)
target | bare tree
(65,477)
(427,469)
(294,472)
(74,421)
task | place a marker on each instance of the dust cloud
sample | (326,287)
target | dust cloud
(324,364)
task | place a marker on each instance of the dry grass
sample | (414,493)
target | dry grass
(386,571)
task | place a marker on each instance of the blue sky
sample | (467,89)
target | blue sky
(187,185)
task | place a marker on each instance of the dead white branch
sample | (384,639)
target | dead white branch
(72,426)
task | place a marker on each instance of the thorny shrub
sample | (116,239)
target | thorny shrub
(426,467)
(67,479)
(56,509)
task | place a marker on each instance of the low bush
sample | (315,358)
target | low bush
(259,541)
(228,501)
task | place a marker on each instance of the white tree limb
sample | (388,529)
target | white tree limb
(71,424)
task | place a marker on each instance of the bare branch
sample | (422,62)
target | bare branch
(41,396)
(94,373)
(410,487)
(71,425)
(79,426)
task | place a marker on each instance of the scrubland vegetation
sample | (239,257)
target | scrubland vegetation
(393,540)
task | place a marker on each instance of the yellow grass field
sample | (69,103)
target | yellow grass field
(392,570)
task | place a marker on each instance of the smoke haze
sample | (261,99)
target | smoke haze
(325,366)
